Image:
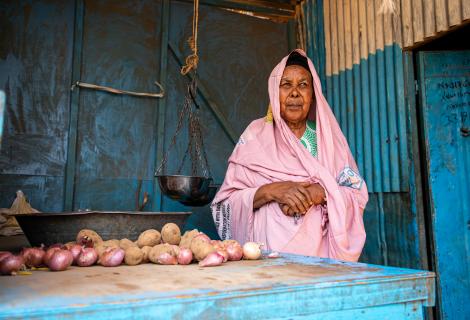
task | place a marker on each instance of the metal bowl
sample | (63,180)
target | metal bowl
(184,188)
(203,200)
(49,228)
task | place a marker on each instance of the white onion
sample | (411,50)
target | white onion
(251,251)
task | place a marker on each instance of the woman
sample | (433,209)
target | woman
(292,182)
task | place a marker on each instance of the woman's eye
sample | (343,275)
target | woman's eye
(285,85)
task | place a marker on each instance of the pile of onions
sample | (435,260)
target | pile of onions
(251,251)
(211,260)
(112,257)
(185,256)
(33,257)
(234,251)
(10,264)
(60,260)
(166,258)
(75,250)
(87,257)
(49,254)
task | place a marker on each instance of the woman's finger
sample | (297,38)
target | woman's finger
(305,192)
(293,205)
(302,202)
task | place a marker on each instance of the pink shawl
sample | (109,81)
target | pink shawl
(268,152)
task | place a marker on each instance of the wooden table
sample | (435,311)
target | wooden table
(293,287)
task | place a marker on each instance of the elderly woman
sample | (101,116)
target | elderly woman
(292,182)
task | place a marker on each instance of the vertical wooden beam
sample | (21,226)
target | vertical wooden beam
(160,128)
(291,34)
(70,167)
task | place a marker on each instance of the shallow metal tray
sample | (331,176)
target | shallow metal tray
(49,228)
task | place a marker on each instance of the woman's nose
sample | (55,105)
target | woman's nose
(294,92)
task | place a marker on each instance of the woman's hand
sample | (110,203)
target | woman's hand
(293,194)
(317,193)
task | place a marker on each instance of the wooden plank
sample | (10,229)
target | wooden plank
(357,32)
(455,12)
(429,13)
(407,23)
(417,17)
(371,27)
(379,28)
(328,44)
(261,7)
(216,110)
(388,28)
(160,127)
(442,22)
(363,30)
(396,21)
(341,35)
(292,287)
(465,10)
(348,51)
(334,38)
(74,105)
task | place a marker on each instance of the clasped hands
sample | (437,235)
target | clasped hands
(298,197)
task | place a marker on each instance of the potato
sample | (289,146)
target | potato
(126,243)
(201,249)
(111,243)
(146,250)
(187,238)
(134,256)
(149,237)
(171,234)
(159,249)
(87,236)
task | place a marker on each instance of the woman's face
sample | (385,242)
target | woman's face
(295,94)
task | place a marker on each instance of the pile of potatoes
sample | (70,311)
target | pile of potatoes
(165,247)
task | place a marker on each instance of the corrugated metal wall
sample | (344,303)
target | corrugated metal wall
(424,19)
(364,86)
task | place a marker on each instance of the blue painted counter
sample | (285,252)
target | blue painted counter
(293,287)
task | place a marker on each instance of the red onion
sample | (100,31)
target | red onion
(4,254)
(202,236)
(185,256)
(87,257)
(223,253)
(49,254)
(112,257)
(60,260)
(235,251)
(213,259)
(166,258)
(75,250)
(11,264)
(33,257)
(56,245)
(251,251)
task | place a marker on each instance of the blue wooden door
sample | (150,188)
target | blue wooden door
(445,106)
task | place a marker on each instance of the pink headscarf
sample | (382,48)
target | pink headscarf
(269,152)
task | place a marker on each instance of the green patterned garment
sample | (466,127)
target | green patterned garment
(309,139)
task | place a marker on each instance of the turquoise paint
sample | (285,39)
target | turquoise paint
(368,102)
(71,164)
(445,106)
(159,130)
(313,11)
(339,290)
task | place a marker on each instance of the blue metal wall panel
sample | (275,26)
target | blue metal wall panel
(367,99)
(445,105)
(35,63)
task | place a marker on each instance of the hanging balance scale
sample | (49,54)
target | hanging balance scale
(195,189)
